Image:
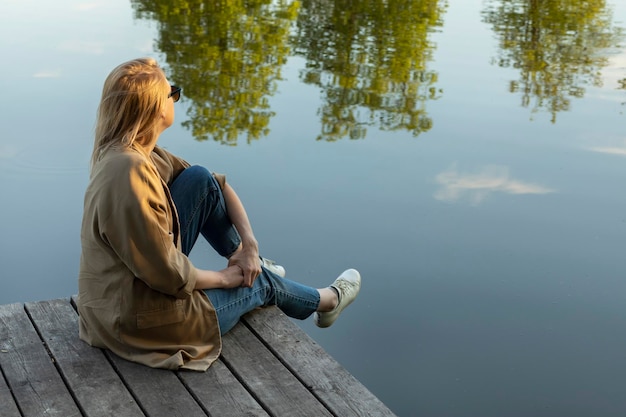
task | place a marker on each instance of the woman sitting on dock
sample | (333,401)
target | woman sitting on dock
(139,294)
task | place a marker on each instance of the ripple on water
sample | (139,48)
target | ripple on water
(41,161)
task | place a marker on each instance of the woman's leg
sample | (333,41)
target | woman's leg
(201,209)
(294,299)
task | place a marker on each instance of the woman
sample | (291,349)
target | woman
(139,294)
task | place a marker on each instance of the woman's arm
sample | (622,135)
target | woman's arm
(230,277)
(247,257)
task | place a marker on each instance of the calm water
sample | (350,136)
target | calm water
(468,158)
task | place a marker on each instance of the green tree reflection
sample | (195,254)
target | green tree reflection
(228,55)
(369,58)
(559,47)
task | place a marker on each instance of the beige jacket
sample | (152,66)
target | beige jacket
(136,287)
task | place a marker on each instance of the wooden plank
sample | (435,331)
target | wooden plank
(220,392)
(159,391)
(339,390)
(88,373)
(277,389)
(8,408)
(29,370)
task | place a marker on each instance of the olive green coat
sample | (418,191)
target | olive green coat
(136,287)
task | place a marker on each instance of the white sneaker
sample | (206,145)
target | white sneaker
(347,286)
(273,267)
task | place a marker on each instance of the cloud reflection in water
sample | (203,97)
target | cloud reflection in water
(478,186)
(612,150)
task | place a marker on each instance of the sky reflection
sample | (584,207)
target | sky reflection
(477,187)
(612,150)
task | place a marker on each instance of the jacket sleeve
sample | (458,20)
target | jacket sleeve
(140,230)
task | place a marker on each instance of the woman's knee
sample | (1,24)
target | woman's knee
(201,174)
(194,180)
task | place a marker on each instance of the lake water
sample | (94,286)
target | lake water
(467,157)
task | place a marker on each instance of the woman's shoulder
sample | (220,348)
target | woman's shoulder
(119,165)
(120,158)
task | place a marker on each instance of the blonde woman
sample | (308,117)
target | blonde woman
(139,294)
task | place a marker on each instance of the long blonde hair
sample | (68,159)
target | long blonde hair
(131,104)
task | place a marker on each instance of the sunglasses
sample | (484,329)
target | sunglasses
(175,93)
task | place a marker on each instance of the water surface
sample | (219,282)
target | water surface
(467,157)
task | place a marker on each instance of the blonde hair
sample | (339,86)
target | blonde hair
(132,101)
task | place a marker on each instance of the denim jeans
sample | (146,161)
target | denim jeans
(202,210)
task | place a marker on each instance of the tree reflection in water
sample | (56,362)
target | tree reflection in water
(227,55)
(369,59)
(559,47)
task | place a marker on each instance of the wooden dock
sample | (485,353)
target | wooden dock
(268,367)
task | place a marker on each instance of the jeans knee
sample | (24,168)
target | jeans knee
(198,173)
(201,177)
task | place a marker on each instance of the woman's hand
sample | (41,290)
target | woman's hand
(232,277)
(247,258)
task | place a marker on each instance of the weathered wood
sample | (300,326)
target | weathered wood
(331,383)
(29,370)
(8,408)
(86,370)
(159,391)
(268,367)
(221,393)
(277,389)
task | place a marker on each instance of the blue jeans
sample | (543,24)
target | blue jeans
(202,210)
